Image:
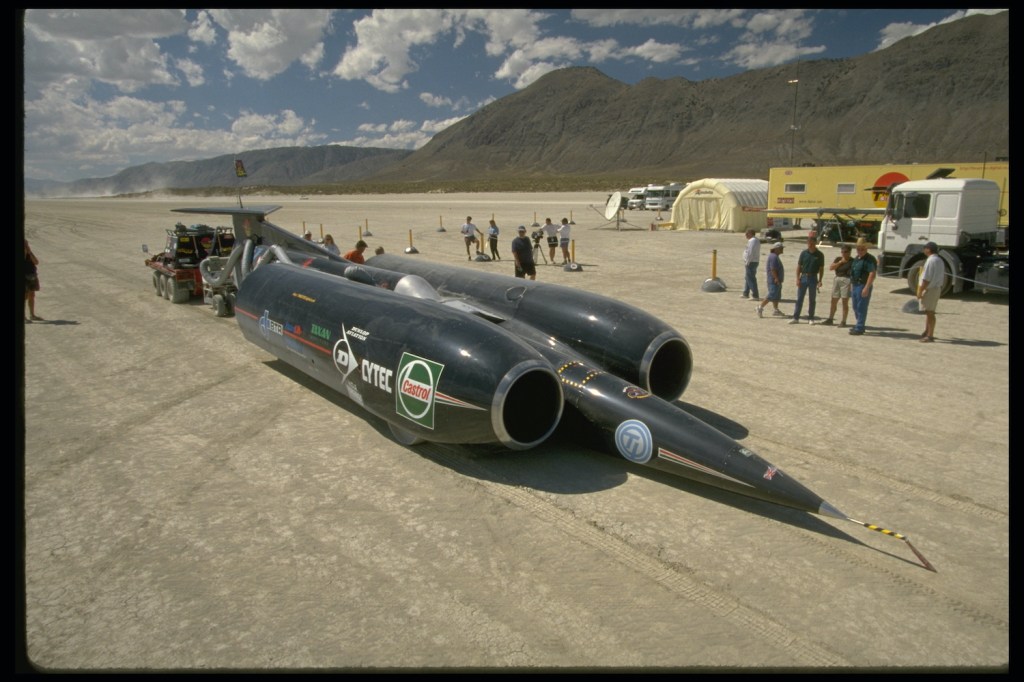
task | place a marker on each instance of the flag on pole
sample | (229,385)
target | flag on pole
(240,169)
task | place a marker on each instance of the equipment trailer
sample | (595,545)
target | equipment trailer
(176,274)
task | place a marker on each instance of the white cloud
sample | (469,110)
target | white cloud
(202,30)
(109,46)
(400,134)
(654,51)
(264,43)
(383,40)
(192,70)
(435,100)
(505,28)
(772,37)
(691,18)
(893,33)
(761,55)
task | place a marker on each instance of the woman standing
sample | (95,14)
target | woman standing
(330,245)
(492,239)
(31,283)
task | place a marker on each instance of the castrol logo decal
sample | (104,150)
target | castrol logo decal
(417,387)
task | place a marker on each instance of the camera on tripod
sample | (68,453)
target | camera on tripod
(537,235)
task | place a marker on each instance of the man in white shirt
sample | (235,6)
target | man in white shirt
(551,232)
(563,240)
(929,289)
(751,258)
(470,232)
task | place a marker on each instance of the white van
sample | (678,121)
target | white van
(636,198)
(661,197)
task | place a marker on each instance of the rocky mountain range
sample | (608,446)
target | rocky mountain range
(940,96)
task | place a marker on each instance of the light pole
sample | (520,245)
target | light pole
(793,127)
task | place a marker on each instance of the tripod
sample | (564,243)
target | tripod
(538,251)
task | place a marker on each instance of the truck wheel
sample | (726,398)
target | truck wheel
(913,275)
(157,281)
(947,283)
(168,287)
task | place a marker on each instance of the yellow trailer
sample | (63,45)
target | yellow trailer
(794,192)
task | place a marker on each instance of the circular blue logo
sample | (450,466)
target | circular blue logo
(633,441)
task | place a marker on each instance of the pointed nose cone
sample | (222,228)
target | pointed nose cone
(650,431)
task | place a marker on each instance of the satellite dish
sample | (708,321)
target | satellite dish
(612,207)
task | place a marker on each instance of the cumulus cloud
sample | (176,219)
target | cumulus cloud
(893,33)
(109,46)
(263,43)
(387,39)
(201,30)
(381,56)
(400,134)
(192,71)
(435,100)
(694,18)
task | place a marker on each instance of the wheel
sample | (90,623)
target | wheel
(913,275)
(168,287)
(157,281)
(220,305)
(947,283)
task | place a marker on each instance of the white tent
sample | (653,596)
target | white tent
(718,204)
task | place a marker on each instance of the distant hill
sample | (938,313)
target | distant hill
(940,96)
(283,166)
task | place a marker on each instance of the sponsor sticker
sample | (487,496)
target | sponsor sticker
(633,441)
(417,387)
(320,332)
(344,358)
(269,326)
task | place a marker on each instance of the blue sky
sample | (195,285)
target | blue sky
(109,89)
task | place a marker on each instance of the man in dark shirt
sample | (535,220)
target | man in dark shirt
(810,267)
(522,251)
(862,277)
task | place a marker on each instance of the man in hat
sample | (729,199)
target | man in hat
(775,274)
(929,288)
(810,268)
(862,278)
(522,251)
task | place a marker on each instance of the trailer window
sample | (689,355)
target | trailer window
(846,188)
(795,188)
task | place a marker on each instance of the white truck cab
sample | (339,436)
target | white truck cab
(961,215)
